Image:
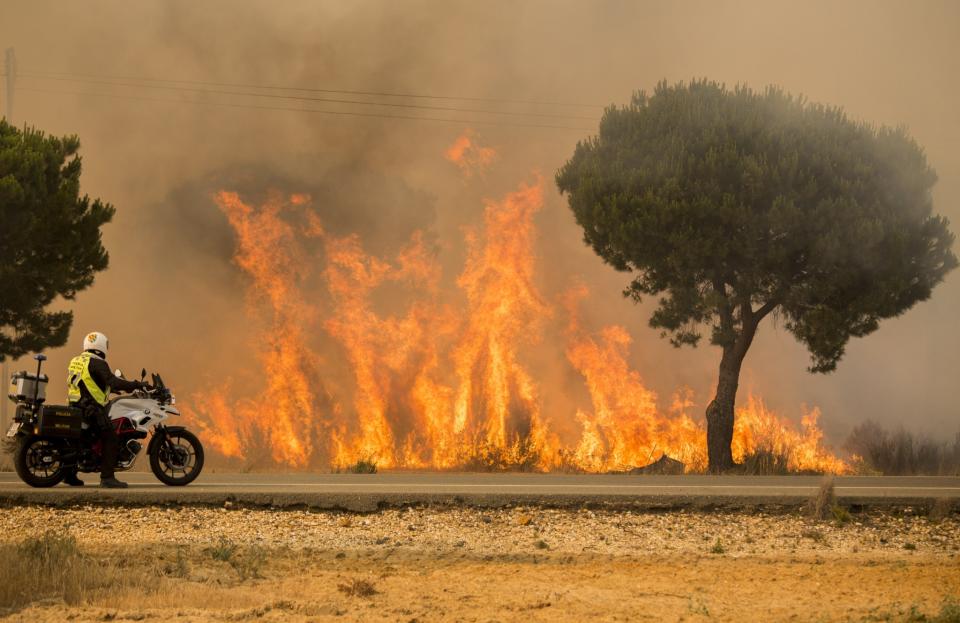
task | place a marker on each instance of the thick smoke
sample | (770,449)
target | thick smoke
(173,301)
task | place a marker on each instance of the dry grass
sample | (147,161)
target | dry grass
(765,462)
(814,535)
(52,566)
(358,588)
(7,448)
(247,562)
(477,570)
(949,613)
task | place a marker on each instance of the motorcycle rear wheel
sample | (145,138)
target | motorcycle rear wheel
(31,466)
(183,456)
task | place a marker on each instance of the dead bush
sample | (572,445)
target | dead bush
(249,563)
(179,568)
(358,588)
(822,503)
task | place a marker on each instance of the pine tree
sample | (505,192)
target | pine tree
(49,237)
(731,205)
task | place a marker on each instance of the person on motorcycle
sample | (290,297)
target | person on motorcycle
(89,385)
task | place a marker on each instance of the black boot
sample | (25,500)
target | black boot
(112,483)
(72,480)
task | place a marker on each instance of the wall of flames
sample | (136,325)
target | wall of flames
(443,382)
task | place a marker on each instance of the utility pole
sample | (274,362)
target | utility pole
(4,384)
(10,66)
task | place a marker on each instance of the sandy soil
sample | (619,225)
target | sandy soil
(508,565)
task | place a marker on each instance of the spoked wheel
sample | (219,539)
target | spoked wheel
(38,462)
(178,459)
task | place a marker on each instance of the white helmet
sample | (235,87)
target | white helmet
(96,341)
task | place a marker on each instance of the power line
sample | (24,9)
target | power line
(318,90)
(303,98)
(311,110)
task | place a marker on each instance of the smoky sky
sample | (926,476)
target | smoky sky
(173,301)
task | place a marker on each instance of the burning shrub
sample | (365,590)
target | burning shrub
(521,456)
(363,466)
(765,462)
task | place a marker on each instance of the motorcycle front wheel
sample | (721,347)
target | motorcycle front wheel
(37,462)
(177,461)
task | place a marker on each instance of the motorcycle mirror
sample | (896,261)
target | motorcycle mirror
(40,357)
(117,373)
(143,373)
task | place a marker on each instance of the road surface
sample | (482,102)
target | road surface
(366,492)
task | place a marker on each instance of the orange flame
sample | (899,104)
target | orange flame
(496,399)
(469,156)
(625,428)
(433,384)
(284,418)
(758,429)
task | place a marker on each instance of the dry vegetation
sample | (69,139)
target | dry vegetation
(901,453)
(531,564)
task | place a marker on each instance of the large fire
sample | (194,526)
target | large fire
(440,379)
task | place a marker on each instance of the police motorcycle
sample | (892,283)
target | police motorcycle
(49,439)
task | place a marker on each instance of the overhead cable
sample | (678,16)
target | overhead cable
(321,90)
(343,113)
(325,100)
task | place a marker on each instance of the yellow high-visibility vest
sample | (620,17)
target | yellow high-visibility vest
(79,372)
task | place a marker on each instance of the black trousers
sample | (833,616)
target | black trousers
(97,417)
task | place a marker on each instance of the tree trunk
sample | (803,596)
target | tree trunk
(720,411)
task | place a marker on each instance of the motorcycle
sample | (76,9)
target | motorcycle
(50,439)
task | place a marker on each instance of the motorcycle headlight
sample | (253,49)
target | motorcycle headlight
(173,399)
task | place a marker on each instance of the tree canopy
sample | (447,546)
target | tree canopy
(731,204)
(50,242)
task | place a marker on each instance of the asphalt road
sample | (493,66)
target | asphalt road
(366,492)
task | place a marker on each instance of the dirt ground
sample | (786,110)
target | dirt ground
(505,565)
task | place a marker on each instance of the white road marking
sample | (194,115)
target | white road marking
(405,486)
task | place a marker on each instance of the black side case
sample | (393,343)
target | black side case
(58,421)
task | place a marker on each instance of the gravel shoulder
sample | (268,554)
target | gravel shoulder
(533,564)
